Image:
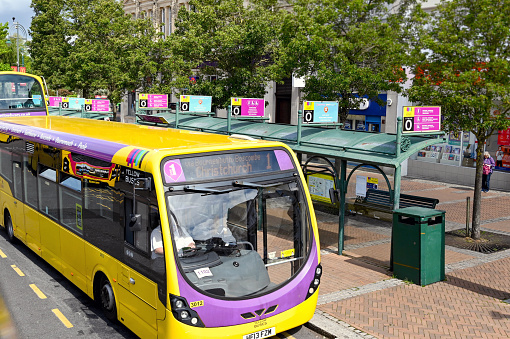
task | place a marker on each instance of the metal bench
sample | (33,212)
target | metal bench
(380,201)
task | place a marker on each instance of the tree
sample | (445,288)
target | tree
(464,67)
(91,46)
(50,44)
(226,46)
(5,50)
(345,49)
(109,49)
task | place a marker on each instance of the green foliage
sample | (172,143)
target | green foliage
(463,65)
(4,48)
(345,49)
(91,45)
(50,44)
(226,41)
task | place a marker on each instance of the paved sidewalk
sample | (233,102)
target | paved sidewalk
(359,298)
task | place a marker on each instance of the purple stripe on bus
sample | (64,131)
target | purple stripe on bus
(219,313)
(22,114)
(99,149)
(283,159)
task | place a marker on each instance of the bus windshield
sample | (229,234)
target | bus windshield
(241,238)
(20,92)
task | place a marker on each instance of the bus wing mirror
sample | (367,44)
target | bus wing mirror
(135,224)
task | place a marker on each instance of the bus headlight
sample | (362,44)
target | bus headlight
(314,285)
(183,313)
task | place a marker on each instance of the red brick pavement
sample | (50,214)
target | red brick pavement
(342,272)
(467,305)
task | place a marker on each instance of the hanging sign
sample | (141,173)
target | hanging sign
(421,119)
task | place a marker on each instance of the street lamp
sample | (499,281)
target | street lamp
(18,27)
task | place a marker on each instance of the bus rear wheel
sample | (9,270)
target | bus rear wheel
(9,228)
(107,299)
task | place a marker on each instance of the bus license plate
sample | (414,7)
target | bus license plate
(268,332)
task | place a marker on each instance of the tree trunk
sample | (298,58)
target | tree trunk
(477,200)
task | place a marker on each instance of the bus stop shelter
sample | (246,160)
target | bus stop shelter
(366,148)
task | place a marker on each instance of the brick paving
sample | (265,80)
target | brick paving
(358,291)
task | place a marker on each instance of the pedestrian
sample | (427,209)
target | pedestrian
(488,166)
(499,157)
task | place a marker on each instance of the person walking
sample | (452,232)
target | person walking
(499,157)
(488,166)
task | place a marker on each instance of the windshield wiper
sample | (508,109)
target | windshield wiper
(193,188)
(253,185)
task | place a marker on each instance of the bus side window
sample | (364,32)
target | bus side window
(139,239)
(30,176)
(18,184)
(71,210)
(101,219)
(47,190)
(6,164)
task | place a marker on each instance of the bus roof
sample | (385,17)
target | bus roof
(103,139)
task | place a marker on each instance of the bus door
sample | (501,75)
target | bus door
(139,299)
(17,212)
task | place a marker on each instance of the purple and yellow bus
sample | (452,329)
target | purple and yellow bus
(176,234)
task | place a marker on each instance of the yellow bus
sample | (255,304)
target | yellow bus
(176,234)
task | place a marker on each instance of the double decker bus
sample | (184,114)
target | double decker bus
(176,234)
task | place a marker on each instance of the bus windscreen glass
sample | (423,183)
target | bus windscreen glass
(21,94)
(243,242)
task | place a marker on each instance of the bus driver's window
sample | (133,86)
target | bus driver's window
(156,237)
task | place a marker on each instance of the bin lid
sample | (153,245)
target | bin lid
(420,212)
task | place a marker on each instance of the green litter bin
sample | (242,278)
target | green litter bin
(418,245)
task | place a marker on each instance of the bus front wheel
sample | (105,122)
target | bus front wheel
(107,299)
(9,228)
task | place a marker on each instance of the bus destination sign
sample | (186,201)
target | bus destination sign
(225,165)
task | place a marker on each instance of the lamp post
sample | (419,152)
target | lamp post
(18,27)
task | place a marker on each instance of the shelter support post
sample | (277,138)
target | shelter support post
(342,187)
(229,119)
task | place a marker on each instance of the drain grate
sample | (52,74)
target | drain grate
(488,243)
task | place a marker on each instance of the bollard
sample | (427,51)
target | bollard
(468,208)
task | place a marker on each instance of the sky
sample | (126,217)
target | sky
(20,9)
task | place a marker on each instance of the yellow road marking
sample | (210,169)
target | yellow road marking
(62,318)
(285,335)
(37,291)
(21,274)
(2,254)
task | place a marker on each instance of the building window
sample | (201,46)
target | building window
(169,21)
(163,22)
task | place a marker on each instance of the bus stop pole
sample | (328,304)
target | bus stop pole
(341,215)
